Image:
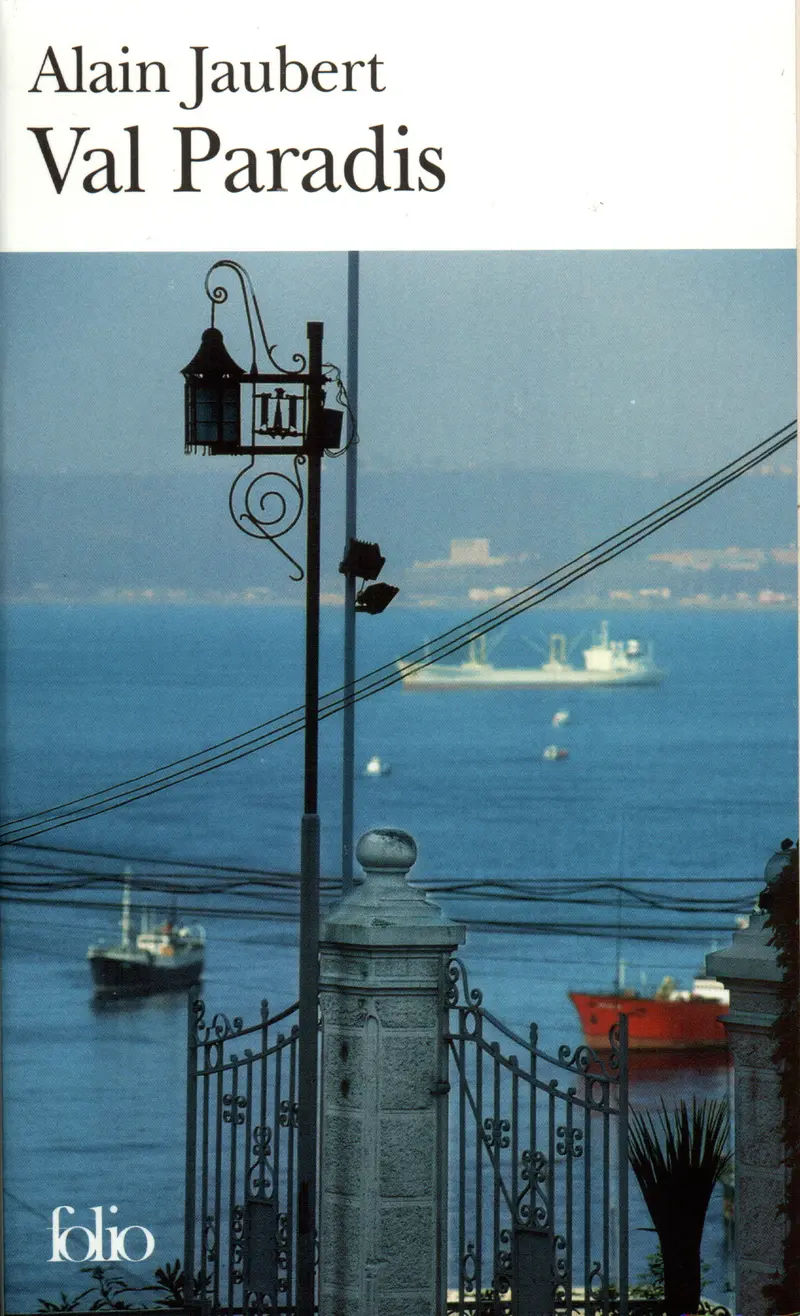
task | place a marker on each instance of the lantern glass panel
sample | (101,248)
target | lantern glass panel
(230,413)
(216,415)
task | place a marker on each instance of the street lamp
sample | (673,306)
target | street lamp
(249,413)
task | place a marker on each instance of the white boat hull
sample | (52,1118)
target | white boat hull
(440,677)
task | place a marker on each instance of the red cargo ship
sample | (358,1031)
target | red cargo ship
(669,1020)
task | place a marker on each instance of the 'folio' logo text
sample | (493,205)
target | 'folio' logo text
(94,1242)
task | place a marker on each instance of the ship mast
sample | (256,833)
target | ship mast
(125,921)
(620,963)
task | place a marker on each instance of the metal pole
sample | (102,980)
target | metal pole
(310,861)
(351,475)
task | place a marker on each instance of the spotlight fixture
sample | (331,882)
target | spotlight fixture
(375,598)
(363,560)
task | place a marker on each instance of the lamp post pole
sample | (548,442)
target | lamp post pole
(310,863)
(287,417)
(351,486)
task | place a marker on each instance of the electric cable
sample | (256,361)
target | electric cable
(671,931)
(153,859)
(443,884)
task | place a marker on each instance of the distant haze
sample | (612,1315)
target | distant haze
(84,534)
(643,362)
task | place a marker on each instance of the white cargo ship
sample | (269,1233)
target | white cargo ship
(605,662)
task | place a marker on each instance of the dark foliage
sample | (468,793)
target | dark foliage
(780,901)
(677,1160)
(106,1291)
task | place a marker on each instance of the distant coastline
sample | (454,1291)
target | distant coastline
(263,599)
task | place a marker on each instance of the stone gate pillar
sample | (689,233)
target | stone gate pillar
(383,1148)
(749,969)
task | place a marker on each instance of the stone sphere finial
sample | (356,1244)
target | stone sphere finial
(778,861)
(385,909)
(386,850)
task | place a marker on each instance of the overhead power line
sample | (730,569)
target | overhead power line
(666,931)
(40,848)
(602,895)
(289,723)
(443,884)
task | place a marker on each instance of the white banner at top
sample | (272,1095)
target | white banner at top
(569,125)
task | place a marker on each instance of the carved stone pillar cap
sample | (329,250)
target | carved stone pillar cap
(385,909)
(749,958)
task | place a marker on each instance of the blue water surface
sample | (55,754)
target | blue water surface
(693,780)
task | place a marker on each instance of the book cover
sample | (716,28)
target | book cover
(551,252)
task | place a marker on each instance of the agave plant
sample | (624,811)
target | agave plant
(677,1160)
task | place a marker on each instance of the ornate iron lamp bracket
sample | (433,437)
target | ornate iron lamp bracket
(219,294)
(286,415)
(264,507)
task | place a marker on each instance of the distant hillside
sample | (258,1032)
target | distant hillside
(84,534)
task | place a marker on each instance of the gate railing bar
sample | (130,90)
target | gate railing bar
(515,1197)
(462,1166)
(587,1196)
(292,1124)
(248,1148)
(219,1033)
(498,1131)
(512,1065)
(261,1182)
(623,1165)
(551,1161)
(220,1029)
(191,1152)
(277,1086)
(568,1132)
(247,1140)
(484,1137)
(235,1061)
(216,1220)
(479,1143)
(204,1182)
(233,1118)
(534,1186)
(600,1090)
(217,1241)
(606,1213)
(578,1060)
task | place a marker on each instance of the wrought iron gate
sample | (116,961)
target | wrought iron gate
(538,1210)
(241,1144)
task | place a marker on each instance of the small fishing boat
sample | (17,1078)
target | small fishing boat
(377,768)
(555,752)
(168,956)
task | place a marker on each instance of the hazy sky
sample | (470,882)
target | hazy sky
(643,361)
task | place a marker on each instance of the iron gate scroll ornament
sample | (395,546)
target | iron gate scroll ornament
(241,1161)
(540,1211)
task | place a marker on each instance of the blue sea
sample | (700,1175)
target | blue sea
(690,785)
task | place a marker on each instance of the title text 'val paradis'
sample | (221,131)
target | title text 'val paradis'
(377,166)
